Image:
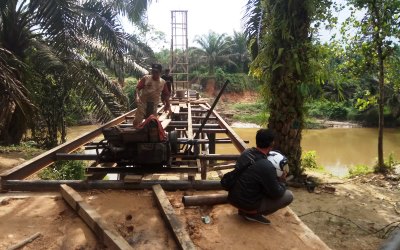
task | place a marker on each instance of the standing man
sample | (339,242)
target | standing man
(148,92)
(259,190)
(169,80)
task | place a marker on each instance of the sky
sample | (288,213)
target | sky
(221,16)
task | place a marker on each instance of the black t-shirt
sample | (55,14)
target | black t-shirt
(169,80)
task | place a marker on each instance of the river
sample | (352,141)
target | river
(337,148)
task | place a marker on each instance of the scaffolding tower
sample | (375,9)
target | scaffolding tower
(179,49)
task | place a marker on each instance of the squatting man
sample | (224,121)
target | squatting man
(259,190)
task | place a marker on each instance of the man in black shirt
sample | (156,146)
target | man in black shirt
(169,80)
(259,190)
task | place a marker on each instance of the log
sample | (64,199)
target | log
(54,185)
(166,209)
(24,242)
(206,199)
(106,234)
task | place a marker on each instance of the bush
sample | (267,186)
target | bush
(130,91)
(64,170)
(239,82)
(251,112)
(328,110)
(359,170)
(309,160)
(390,161)
(388,166)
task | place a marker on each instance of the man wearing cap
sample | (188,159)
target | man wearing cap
(148,92)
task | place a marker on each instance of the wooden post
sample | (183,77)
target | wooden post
(167,211)
(106,234)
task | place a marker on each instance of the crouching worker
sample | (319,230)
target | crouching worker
(148,92)
(259,189)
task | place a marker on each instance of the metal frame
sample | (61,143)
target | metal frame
(185,119)
(179,49)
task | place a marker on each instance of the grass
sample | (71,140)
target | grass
(27,148)
(358,170)
(250,113)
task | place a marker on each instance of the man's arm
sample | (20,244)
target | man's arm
(272,187)
(139,86)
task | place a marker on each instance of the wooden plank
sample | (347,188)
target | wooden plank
(37,163)
(237,141)
(70,196)
(189,122)
(52,185)
(106,234)
(166,209)
(165,123)
(163,116)
(143,170)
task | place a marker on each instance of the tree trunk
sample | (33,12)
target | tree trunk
(381,163)
(286,120)
(288,68)
(379,49)
(16,128)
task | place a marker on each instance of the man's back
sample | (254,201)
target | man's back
(254,183)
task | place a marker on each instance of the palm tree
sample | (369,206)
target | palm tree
(240,53)
(279,37)
(215,50)
(56,42)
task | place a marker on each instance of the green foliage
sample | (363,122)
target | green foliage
(215,51)
(309,160)
(41,70)
(359,169)
(64,170)
(29,149)
(130,91)
(239,82)
(390,161)
(328,110)
(251,113)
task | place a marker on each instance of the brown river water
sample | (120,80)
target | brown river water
(337,148)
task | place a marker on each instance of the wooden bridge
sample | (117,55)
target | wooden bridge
(197,126)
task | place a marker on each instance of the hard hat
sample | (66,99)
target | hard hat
(279,161)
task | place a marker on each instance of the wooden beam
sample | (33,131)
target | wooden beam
(237,141)
(223,167)
(54,185)
(143,170)
(189,122)
(63,156)
(106,234)
(37,163)
(165,123)
(81,157)
(180,234)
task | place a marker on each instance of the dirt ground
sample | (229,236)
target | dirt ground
(371,202)
(136,217)
(59,226)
